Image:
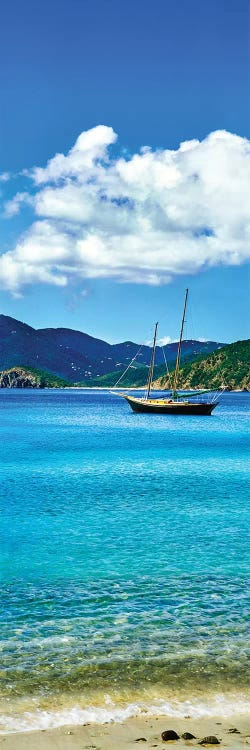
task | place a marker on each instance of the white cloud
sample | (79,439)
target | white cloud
(12,207)
(165,340)
(90,146)
(143,219)
(4,176)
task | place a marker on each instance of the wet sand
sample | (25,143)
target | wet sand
(134,733)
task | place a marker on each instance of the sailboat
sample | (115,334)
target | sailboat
(177,403)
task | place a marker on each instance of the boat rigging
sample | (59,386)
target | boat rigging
(177,403)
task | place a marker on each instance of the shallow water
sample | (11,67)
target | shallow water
(124,557)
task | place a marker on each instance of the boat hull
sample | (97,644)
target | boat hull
(175,408)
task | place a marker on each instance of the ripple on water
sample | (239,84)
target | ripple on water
(124,557)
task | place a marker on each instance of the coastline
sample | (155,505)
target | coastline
(134,733)
(131,388)
(109,714)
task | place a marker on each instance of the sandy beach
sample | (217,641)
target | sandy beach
(134,733)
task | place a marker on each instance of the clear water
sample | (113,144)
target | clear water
(124,558)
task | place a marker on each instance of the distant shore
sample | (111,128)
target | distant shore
(113,388)
(134,733)
(142,388)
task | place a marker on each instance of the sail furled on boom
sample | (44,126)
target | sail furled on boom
(190,394)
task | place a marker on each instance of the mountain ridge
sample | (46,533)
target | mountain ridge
(228,367)
(76,356)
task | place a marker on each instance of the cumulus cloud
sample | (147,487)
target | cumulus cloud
(90,146)
(141,219)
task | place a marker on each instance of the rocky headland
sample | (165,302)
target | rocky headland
(23,377)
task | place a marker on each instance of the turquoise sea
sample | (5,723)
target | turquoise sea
(124,559)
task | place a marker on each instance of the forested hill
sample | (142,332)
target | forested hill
(227,367)
(76,356)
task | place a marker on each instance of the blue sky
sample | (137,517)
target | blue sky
(157,73)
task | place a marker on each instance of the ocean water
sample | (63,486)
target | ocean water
(124,559)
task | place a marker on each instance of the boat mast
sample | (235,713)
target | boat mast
(151,367)
(179,346)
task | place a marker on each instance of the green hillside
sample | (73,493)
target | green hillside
(227,367)
(135,377)
(30,377)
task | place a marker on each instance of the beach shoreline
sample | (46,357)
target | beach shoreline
(133,733)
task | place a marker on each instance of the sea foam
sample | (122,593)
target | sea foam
(219,706)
